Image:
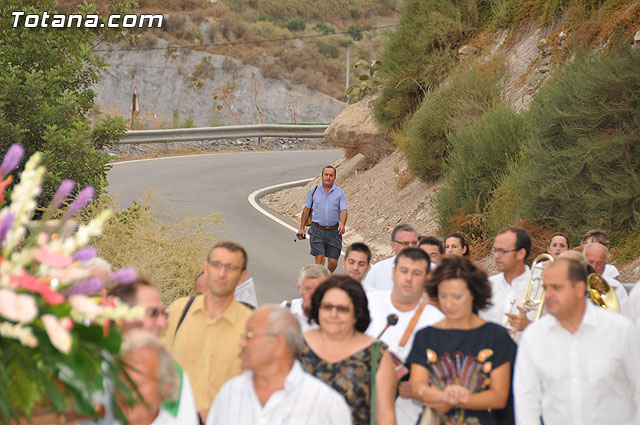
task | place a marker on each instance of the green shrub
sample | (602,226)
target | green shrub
(468,93)
(261,17)
(327,50)
(324,28)
(295,24)
(478,157)
(169,251)
(582,163)
(420,53)
(355,32)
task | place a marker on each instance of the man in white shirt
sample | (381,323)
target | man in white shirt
(273,389)
(597,257)
(357,261)
(578,364)
(510,250)
(309,278)
(406,300)
(379,277)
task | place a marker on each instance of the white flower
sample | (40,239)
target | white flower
(83,307)
(20,308)
(19,332)
(58,335)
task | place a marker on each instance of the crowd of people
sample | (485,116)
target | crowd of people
(423,337)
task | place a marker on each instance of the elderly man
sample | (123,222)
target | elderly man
(141,294)
(328,219)
(510,250)
(273,389)
(579,363)
(309,278)
(406,300)
(357,261)
(598,257)
(203,332)
(379,277)
(152,370)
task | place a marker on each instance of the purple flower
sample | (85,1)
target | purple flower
(63,192)
(82,200)
(90,286)
(5,226)
(85,254)
(128,275)
(11,160)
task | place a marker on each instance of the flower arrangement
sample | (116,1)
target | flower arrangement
(57,345)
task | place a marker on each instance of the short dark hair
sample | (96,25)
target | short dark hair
(335,172)
(566,238)
(458,267)
(413,254)
(576,271)
(598,234)
(354,291)
(404,227)
(359,247)
(463,241)
(523,240)
(233,247)
(432,240)
(128,292)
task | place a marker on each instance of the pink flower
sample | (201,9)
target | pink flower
(67,323)
(39,286)
(58,335)
(21,308)
(53,259)
(85,306)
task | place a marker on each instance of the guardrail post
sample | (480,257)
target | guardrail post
(259,142)
(166,147)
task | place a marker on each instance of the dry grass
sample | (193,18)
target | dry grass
(167,250)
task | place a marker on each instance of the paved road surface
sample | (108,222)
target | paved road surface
(222,183)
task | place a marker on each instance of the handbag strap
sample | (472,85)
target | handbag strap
(412,324)
(374,370)
(313,193)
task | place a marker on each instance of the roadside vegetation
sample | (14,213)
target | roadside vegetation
(569,163)
(168,251)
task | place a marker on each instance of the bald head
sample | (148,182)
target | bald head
(597,256)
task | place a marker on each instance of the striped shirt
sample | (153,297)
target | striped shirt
(305,400)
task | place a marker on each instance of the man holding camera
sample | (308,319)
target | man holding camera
(327,205)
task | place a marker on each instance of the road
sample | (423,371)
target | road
(221,183)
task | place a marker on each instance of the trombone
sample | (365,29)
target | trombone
(601,293)
(534,296)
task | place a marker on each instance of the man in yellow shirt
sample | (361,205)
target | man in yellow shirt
(204,332)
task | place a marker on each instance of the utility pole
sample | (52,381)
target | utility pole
(348,57)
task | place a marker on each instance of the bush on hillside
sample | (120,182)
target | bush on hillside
(478,156)
(469,92)
(295,24)
(169,252)
(420,53)
(582,161)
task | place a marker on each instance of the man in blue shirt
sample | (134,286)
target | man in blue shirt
(328,218)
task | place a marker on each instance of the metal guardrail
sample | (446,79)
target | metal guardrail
(226,132)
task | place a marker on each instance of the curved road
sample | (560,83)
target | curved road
(221,183)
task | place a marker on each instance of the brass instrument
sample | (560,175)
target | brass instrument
(601,293)
(534,297)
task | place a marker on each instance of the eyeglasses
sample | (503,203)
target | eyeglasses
(218,265)
(410,243)
(341,309)
(249,335)
(155,312)
(501,251)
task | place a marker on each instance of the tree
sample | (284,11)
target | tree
(46,76)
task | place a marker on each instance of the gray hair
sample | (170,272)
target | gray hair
(282,321)
(574,255)
(401,228)
(596,244)
(313,271)
(167,374)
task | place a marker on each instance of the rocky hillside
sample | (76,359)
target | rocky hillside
(177,87)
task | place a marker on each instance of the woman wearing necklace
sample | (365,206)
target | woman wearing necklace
(340,354)
(461,367)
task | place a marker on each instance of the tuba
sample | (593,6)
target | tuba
(601,293)
(534,296)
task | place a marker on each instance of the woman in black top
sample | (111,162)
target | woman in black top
(461,366)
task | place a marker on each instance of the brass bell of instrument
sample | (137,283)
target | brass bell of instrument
(601,293)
